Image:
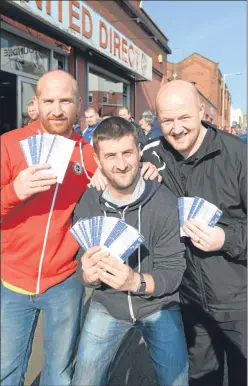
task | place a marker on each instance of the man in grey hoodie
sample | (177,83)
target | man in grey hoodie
(144,292)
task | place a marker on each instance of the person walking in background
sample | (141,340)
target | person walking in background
(37,250)
(92,120)
(142,294)
(149,125)
(125,113)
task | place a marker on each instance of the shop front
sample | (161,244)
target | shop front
(107,64)
(23,61)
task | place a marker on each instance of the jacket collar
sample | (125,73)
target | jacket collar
(213,146)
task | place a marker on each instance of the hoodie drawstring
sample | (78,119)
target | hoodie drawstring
(82,162)
(139,225)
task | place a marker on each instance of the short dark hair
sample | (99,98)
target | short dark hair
(124,108)
(113,128)
(91,109)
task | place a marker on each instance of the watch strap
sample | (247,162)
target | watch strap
(142,288)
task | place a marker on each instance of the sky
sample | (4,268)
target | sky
(214,29)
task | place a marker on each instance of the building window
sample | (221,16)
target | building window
(107,90)
(90,98)
(18,54)
(59,61)
(105,98)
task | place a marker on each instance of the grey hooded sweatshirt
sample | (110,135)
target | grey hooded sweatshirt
(155,215)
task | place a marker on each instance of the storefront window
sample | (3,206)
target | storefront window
(21,55)
(58,61)
(106,93)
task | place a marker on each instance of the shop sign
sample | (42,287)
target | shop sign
(76,18)
(24,59)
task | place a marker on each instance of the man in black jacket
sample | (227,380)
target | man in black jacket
(144,292)
(196,160)
(125,113)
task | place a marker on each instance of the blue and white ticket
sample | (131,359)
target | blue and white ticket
(206,212)
(184,207)
(199,209)
(54,149)
(110,233)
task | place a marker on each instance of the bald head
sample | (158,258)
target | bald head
(59,76)
(178,91)
(180,113)
(57,102)
(91,110)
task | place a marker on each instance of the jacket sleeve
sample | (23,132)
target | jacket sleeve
(168,258)
(9,199)
(148,154)
(235,244)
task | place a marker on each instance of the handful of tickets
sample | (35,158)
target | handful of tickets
(54,149)
(198,209)
(110,233)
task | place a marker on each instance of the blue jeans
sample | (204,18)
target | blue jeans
(62,315)
(101,337)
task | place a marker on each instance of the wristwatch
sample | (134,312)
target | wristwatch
(142,288)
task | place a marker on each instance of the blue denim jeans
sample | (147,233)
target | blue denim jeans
(62,315)
(101,337)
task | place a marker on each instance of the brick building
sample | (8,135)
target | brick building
(113,48)
(208,79)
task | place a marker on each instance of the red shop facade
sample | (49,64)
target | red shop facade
(113,48)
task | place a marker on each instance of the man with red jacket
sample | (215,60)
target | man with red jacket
(37,256)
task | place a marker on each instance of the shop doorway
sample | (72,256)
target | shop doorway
(26,88)
(15,94)
(8,102)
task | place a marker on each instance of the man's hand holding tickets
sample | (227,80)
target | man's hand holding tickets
(203,236)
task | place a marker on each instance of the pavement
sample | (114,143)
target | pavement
(134,367)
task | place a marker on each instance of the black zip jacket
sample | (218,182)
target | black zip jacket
(140,134)
(162,254)
(216,280)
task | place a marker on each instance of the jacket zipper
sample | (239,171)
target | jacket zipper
(198,267)
(130,305)
(197,263)
(45,239)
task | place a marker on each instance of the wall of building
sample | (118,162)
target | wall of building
(206,76)
(144,91)
(210,114)
(146,95)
